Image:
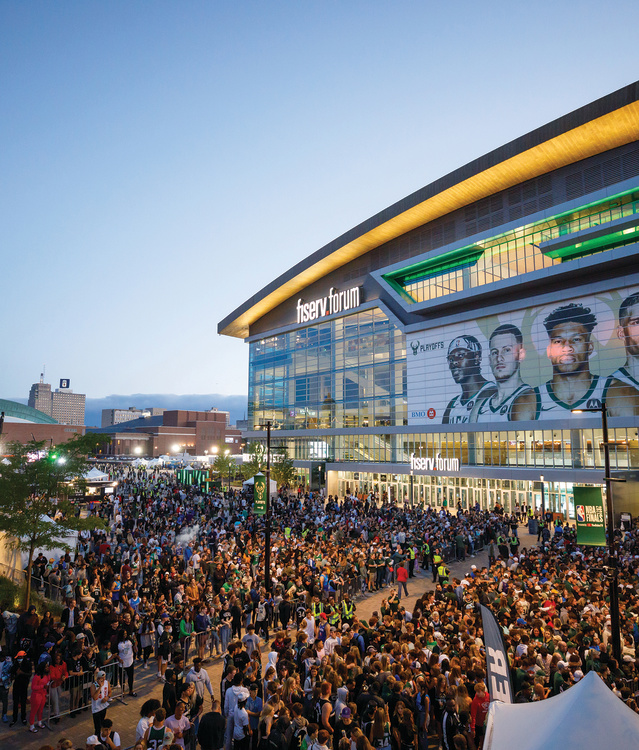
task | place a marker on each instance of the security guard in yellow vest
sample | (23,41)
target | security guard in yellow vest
(348,610)
(443,573)
(316,608)
(437,558)
(330,610)
(411,561)
(425,555)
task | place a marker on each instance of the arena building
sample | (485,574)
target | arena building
(435,353)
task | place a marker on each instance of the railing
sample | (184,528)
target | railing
(38,583)
(74,694)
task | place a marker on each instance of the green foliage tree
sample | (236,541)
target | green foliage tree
(35,484)
(282,468)
(225,466)
(257,459)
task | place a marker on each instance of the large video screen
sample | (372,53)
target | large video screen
(532,364)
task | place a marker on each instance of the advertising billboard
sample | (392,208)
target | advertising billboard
(535,363)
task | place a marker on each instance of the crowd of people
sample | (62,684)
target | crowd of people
(178,578)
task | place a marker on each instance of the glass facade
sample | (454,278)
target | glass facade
(345,384)
(348,372)
(447,492)
(561,449)
(516,252)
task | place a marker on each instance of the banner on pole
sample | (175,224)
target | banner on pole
(259,494)
(499,684)
(589,514)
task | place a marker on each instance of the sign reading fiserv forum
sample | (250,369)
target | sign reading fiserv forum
(335,302)
(532,364)
(434,463)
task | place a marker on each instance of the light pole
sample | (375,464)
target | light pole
(227,453)
(267,529)
(612,542)
(543,499)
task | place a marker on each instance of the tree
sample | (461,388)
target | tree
(282,468)
(225,466)
(257,459)
(35,484)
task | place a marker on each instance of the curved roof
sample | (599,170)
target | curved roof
(604,124)
(24,412)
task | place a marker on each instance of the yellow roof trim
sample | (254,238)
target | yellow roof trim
(593,137)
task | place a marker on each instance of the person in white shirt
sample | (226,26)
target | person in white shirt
(332,641)
(308,624)
(179,724)
(200,677)
(147,713)
(241,728)
(125,657)
(109,738)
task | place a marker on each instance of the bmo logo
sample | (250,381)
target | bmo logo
(429,413)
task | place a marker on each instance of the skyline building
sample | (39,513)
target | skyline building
(65,406)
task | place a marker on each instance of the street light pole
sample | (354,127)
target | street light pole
(612,541)
(267,534)
(543,499)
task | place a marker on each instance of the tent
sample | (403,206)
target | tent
(14,561)
(251,481)
(95,475)
(588,716)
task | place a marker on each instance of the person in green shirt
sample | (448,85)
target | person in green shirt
(559,678)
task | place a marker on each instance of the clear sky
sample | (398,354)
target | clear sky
(162,161)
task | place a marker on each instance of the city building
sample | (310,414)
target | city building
(435,353)
(65,406)
(174,431)
(21,423)
(118,416)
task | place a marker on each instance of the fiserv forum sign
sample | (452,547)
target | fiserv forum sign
(334,302)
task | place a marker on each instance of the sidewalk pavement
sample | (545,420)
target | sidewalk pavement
(126,716)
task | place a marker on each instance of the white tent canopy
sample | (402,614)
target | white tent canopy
(588,716)
(250,482)
(95,475)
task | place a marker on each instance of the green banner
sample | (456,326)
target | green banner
(589,514)
(259,494)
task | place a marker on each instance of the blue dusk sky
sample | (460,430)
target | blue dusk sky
(162,161)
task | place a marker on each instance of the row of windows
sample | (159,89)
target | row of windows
(349,372)
(518,251)
(567,449)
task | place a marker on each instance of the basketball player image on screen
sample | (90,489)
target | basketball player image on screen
(514,399)
(572,385)
(464,363)
(622,387)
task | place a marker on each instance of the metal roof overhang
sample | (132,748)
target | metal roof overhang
(607,123)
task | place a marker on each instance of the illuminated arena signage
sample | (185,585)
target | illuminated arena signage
(335,302)
(426,463)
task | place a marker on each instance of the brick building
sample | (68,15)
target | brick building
(177,431)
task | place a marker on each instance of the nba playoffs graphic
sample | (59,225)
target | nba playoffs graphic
(538,363)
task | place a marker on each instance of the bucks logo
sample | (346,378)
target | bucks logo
(414,345)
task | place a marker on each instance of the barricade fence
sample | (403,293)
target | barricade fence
(74,694)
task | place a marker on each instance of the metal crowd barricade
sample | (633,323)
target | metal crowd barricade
(206,640)
(74,694)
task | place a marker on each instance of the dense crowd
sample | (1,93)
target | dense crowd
(179,577)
